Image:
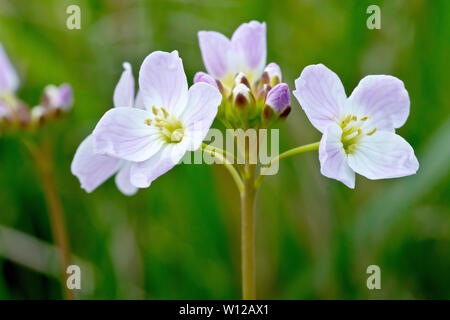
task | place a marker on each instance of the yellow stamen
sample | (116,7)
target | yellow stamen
(371,132)
(165,113)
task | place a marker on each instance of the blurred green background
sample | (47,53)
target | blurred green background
(180,238)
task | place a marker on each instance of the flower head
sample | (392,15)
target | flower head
(91,168)
(10,107)
(9,81)
(237,66)
(358,131)
(173,120)
(14,111)
(58,97)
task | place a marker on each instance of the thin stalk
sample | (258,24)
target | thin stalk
(219,154)
(288,153)
(43,161)
(248,197)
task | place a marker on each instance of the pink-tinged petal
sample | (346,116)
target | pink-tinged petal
(58,97)
(383,98)
(123,180)
(249,46)
(124,91)
(123,133)
(204,77)
(144,173)
(215,48)
(332,157)
(321,95)
(9,81)
(163,83)
(90,168)
(279,97)
(383,155)
(65,96)
(201,109)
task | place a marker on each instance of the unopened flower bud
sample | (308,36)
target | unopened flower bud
(263,91)
(241,78)
(241,94)
(38,114)
(285,113)
(22,113)
(204,77)
(273,72)
(58,98)
(279,98)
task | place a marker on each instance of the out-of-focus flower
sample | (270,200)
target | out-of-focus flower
(174,120)
(93,169)
(237,62)
(58,98)
(55,100)
(9,81)
(13,111)
(358,131)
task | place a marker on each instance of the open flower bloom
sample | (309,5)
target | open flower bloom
(174,120)
(237,66)
(93,169)
(245,52)
(358,131)
(9,83)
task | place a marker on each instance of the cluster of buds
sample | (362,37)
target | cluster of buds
(14,113)
(258,104)
(253,93)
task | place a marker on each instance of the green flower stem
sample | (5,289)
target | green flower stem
(288,153)
(248,197)
(219,154)
(43,161)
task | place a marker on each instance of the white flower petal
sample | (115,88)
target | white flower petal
(90,168)
(163,83)
(383,155)
(123,180)
(383,98)
(332,157)
(124,91)
(201,109)
(144,173)
(249,48)
(122,133)
(321,95)
(139,102)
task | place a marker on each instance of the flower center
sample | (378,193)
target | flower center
(172,131)
(352,131)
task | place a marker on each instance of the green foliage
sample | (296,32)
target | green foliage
(180,238)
